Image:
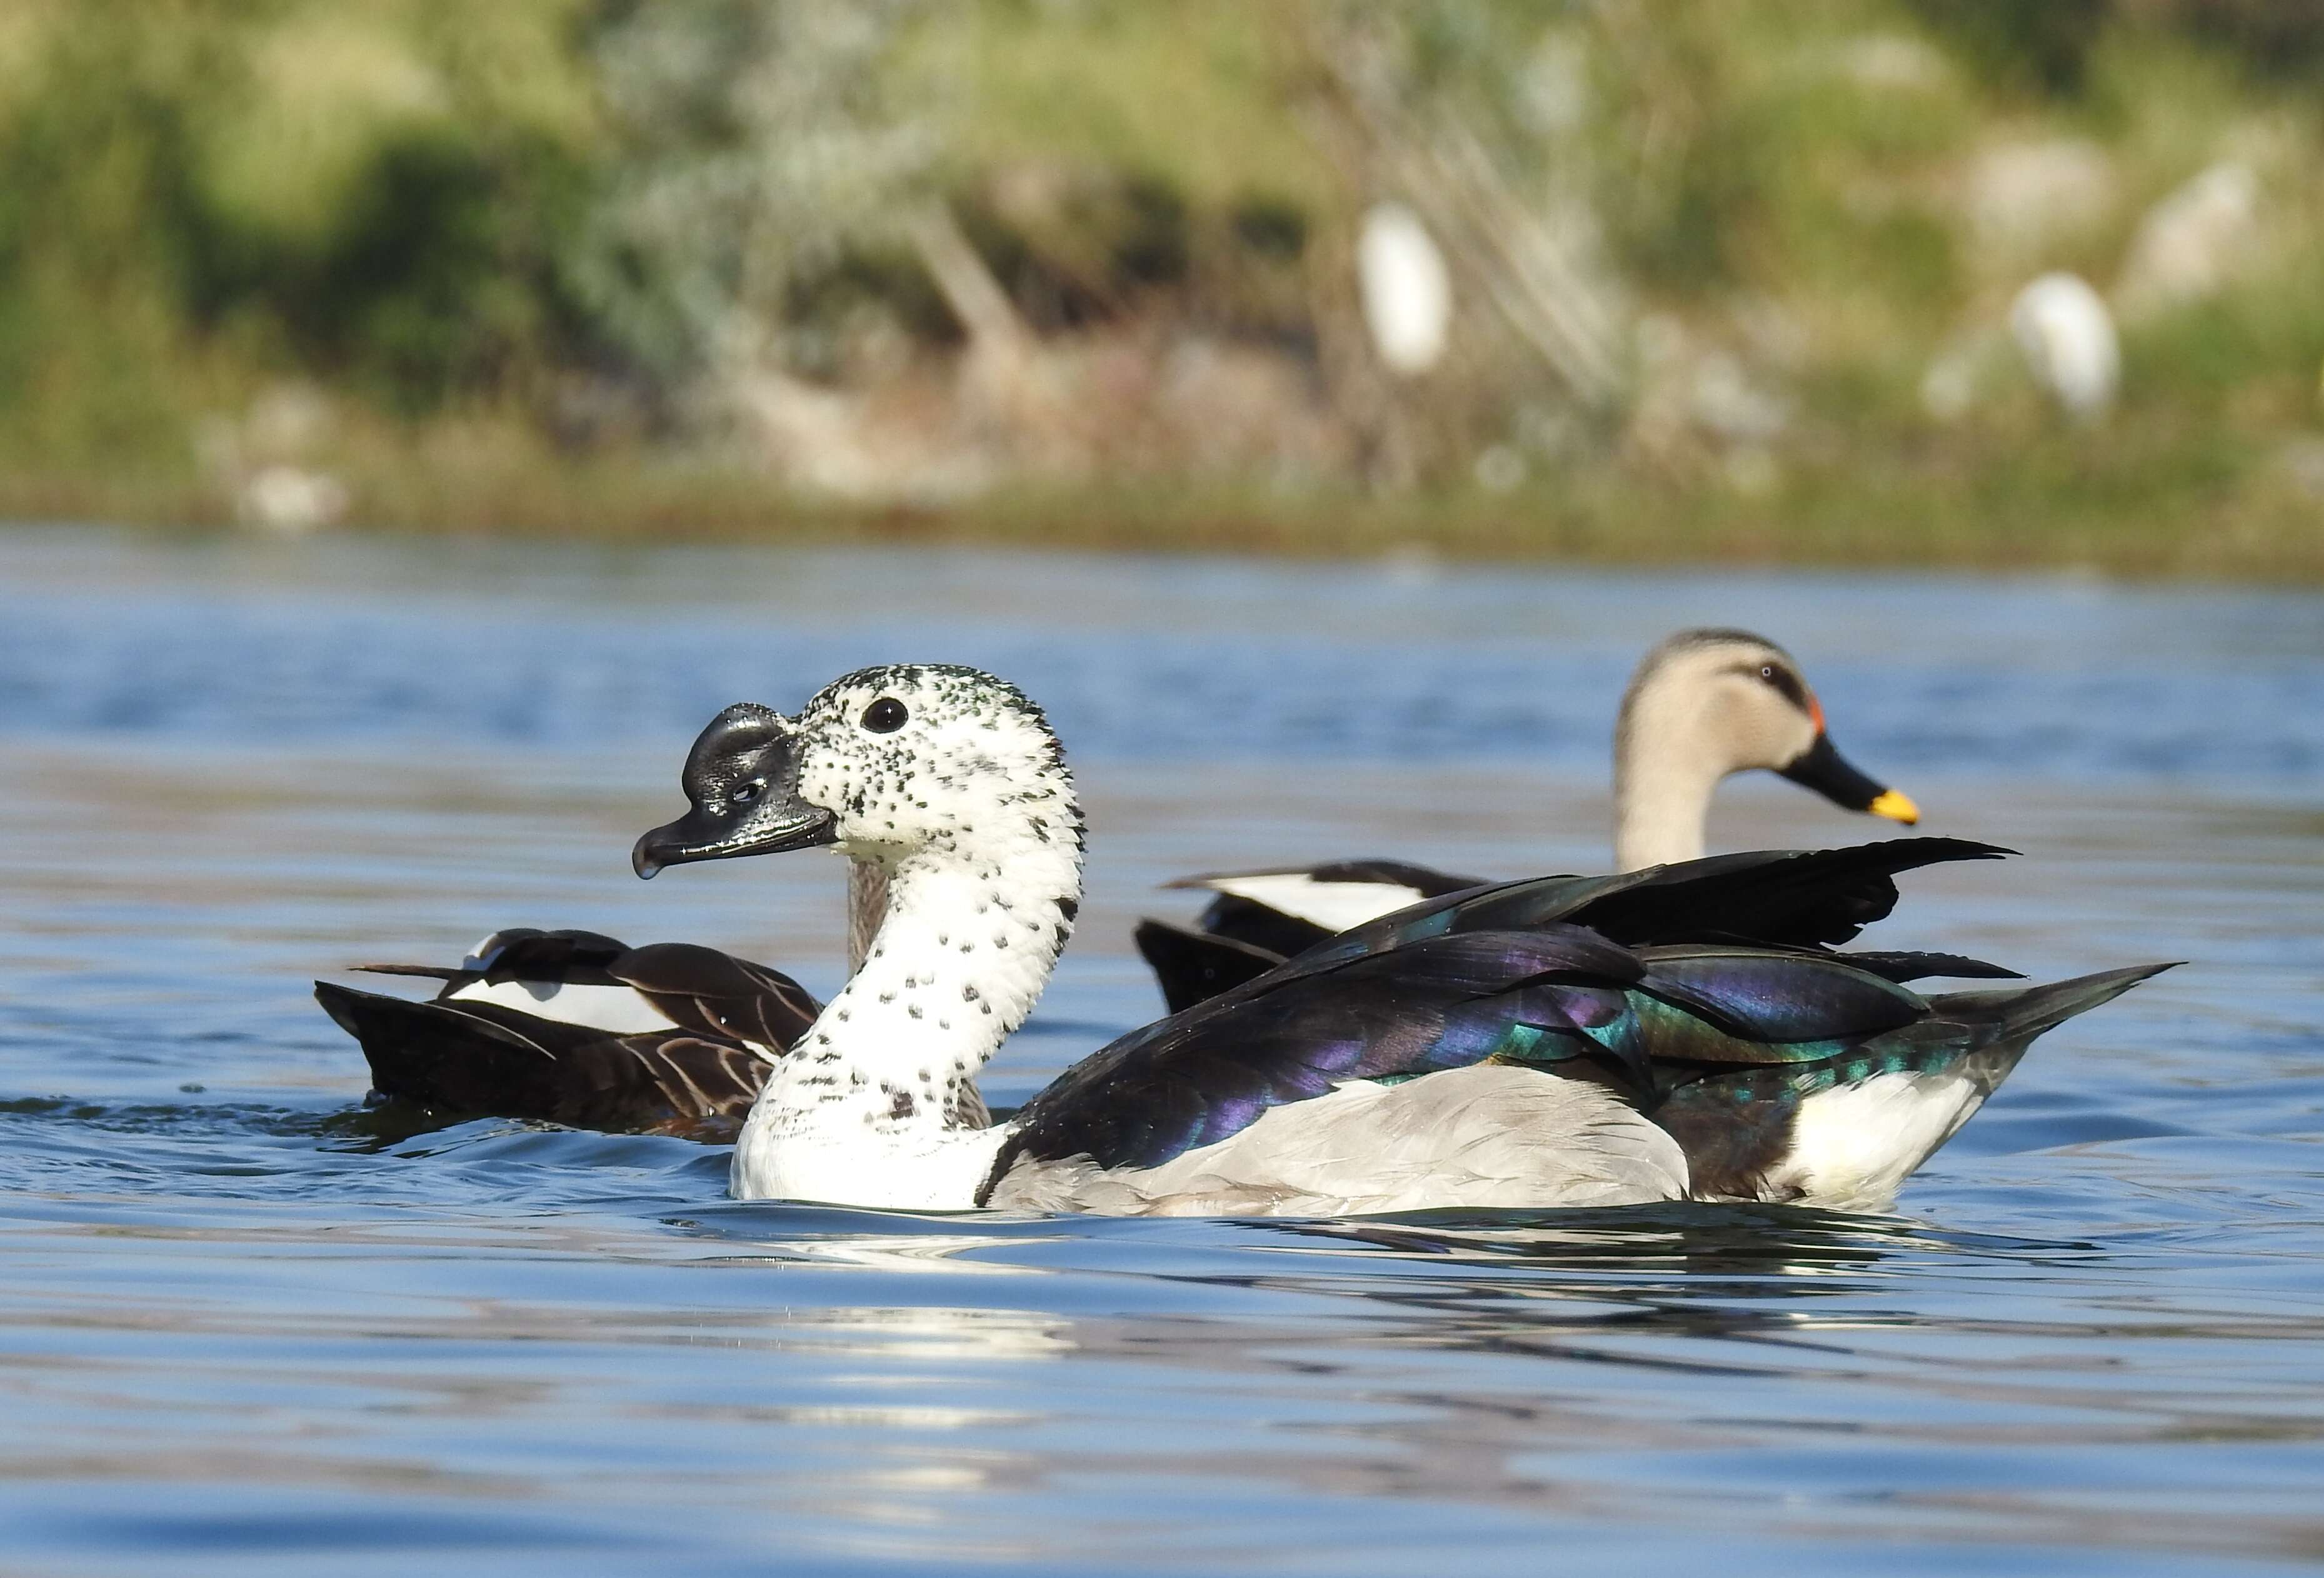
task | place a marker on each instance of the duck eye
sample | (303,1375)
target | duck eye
(885,715)
(742,794)
(1786,684)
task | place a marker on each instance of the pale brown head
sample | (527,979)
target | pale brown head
(1707,703)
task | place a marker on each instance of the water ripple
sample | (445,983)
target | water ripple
(247,1323)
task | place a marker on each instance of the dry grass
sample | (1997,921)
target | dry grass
(1786,191)
(2049,513)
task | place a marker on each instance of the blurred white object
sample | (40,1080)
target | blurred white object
(2067,336)
(1406,289)
(291,500)
(2191,241)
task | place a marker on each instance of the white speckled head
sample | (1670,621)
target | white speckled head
(928,757)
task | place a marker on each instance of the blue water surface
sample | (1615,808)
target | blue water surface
(245,1329)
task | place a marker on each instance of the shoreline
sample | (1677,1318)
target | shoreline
(1830,523)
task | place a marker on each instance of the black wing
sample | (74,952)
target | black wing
(468,1060)
(1195,966)
(1772,897)
(1784,899)
(1422,997)
(1801,899)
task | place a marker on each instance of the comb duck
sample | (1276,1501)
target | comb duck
(1682,1032)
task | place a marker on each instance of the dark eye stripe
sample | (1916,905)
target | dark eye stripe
(1780,680)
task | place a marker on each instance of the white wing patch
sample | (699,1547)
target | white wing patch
(618,1010)
(1853,1146)
(1334,906)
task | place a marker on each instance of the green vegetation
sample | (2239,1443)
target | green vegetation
(1732,283)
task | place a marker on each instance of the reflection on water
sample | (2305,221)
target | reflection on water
(247,1323)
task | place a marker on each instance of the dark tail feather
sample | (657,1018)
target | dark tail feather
(432,972)
(2018,1016)
(2002,1025)
(450,1062)
(1195,966)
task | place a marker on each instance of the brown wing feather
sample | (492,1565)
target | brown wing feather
(466,1059)
(718,995)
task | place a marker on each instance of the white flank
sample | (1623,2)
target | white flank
(616,1010)
(1475,1138)
(1853,1146)
(1334,906)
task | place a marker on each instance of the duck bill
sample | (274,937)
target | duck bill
(742,777)
(699,836)
(1822,768)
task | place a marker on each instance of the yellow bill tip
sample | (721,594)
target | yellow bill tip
(1896,806)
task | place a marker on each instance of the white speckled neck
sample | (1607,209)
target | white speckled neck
(867,1109)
